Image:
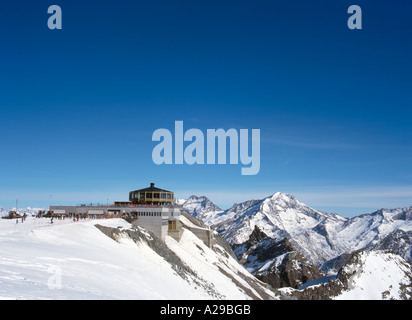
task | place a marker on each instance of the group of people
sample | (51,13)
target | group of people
(23,218)
(76,217)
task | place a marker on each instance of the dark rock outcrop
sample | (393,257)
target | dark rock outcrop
(277,263)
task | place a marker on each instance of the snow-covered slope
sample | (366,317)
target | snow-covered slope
(399,242)
(376,275)
(367,275)
(106,259)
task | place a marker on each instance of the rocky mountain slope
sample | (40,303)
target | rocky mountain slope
(367,275)
(286,243)
(277,263)
(319,236)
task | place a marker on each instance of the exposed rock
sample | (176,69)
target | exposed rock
(399,242)
(333,266)
(277,263)
(389,275)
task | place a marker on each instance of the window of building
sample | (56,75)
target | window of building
(172,225)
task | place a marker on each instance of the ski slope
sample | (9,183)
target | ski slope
(75,260)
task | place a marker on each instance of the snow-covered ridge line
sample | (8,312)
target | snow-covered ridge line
(318,235)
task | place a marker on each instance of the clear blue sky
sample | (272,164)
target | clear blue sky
(78,106)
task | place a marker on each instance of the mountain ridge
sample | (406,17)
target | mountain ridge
(318,235)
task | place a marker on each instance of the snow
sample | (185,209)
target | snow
(29,211)
(318,235)
(272,263)
(205,264)
(188,223)
(317,282)
(201,208)
(75,260)
(180,201)
(378,276)
(83,262)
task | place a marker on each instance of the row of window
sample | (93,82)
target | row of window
(153,214)
(152,195)
(149,214)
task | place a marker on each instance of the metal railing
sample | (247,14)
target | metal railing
(127,205)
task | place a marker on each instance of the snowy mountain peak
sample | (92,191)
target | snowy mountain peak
(199,204)
(201,207)
(284,200)
(319,236)
(282,196)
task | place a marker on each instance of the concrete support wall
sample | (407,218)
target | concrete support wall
(204,234)
(153,224)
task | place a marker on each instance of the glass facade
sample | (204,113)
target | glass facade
(149,197)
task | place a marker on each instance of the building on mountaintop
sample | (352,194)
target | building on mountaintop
(151,208)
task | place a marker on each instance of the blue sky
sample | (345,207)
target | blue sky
(78,106)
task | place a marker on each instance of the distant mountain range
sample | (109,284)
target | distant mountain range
(29,211)
(286,243)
